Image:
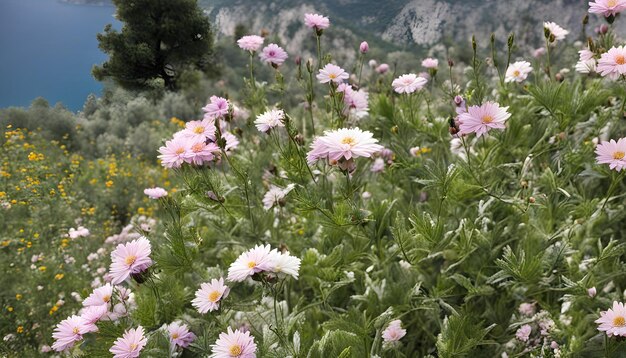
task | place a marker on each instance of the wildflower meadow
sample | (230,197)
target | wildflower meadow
(472,206)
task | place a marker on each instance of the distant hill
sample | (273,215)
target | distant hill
(404,24)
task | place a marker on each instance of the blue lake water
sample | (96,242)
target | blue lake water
(47,49)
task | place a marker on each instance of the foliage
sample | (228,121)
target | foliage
(159,39)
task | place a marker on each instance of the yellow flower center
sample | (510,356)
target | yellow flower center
(620,60)
(174,335)
(133,346)
(487,119)
(618,155)
(332,76)
(180,150)
(619,321)
(199,130)
(235,351)
(348,140)
(516,73)
(214,296)
(106,298)
(611,3)
(197,147)
(131,259)
(76,330)
(251,264)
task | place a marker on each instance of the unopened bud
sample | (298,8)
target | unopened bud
(511,40)
(592,292)
(604,29)
(551,38)
(364,47)
(450,63)
(586,19)
(559,77)
(531,200)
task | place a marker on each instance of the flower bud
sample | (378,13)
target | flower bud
(592,292)
(604,29)
(365,47)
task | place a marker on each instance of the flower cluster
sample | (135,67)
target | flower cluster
(265,262)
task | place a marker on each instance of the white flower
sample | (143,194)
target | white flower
(408,83)
(587,66)
(332,73)
(275,195)
(253,261)
(270,119)
(556,30)
(518,71)
(285,264)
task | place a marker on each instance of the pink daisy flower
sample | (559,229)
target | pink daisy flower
(200,130)
(430,63)
(332,73)
(518,71)
(93,314)
(523,333)
(174,153)
(100,296)
(68,332)
(180,335)
(217,107)
(129,259)
(234,344)
(382,68)
(481,119)
(408,83)
(613,321)
(130,344)
(250,43)
(201,152)
(612,153)
(394,332)
(539,52)
(316,22)
(250,262)
(273,54)
(355,102)
(155,193)
(607,7)
(209,295)
(613,63)
(345,143)
(270,119)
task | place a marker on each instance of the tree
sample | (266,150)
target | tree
(158,40)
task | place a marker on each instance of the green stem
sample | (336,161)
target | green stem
(252,81)
(614,184)
(319,51)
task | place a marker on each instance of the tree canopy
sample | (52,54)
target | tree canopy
(158,39)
